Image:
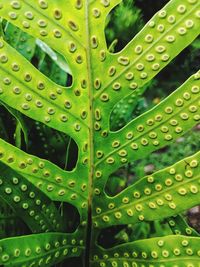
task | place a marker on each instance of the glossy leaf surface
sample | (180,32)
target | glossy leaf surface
(75,29)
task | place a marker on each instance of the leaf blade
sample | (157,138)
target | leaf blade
(133,70)
(52,180)
(38,249)
(155,128)
(153,197)
(39,100)
(27,201)
(167,250)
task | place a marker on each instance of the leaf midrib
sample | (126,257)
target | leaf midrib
(91,136)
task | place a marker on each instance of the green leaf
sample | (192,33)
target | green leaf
(3,131)
(45,175)
(162,251)
(22,42)
(154,197)
(39,100)
(33,206)
(196,44)
(126,110)
(152,130)
(75,29)
(39,249)
(10,224)
(47,23)
(162,39)
(180,227)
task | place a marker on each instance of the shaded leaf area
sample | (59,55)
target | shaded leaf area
(127,109)
(48,143)
(31,205)
(10,223)
(179,226)
(188,60)
(53,145)
(70,262)
(69,214)
(43,142)
(8,125)
(115,235)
